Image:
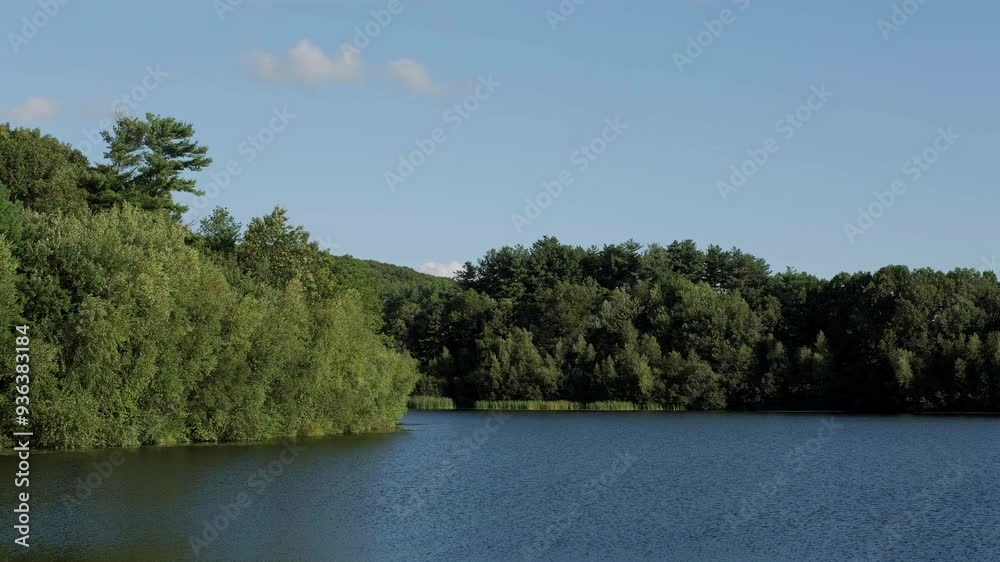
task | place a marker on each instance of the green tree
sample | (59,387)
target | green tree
(220,231)
(562,312)
(147,160)
(10,316)
(274,252)
(42,173)
(513,369)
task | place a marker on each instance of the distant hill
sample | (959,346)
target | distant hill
(390,277)
(378,281)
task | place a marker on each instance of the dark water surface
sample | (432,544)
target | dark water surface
(569,486)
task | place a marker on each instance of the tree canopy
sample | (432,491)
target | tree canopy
(144,332)
(147,160)
(688,328)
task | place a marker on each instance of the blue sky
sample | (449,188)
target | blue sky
(557,81)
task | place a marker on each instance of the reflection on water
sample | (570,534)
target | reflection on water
(572,485)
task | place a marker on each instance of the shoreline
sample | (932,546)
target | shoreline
(669,411)
(7,451)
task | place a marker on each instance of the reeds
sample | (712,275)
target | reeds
(527,405)
(565,405)
(613,406)
(430,403)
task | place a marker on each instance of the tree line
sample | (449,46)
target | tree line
(689,328)
(147,331)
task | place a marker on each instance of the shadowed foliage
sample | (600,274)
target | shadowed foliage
(685,328)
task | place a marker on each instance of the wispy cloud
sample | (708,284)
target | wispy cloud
(34,109)
(413,75)
(307,62)
(440,269)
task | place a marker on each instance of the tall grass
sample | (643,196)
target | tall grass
(565,405)
(527,405)
(613,406)
(430,403)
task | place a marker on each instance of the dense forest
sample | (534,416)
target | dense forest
(683,328)
(147,330)
(144,330)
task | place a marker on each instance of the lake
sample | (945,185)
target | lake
(544,485)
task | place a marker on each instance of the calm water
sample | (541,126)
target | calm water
(464,485)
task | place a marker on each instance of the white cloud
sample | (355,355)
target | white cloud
(35,109)
(446,269)
(413,75)
(307,62)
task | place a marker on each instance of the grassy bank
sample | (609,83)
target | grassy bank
(565,405)
(430,403)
